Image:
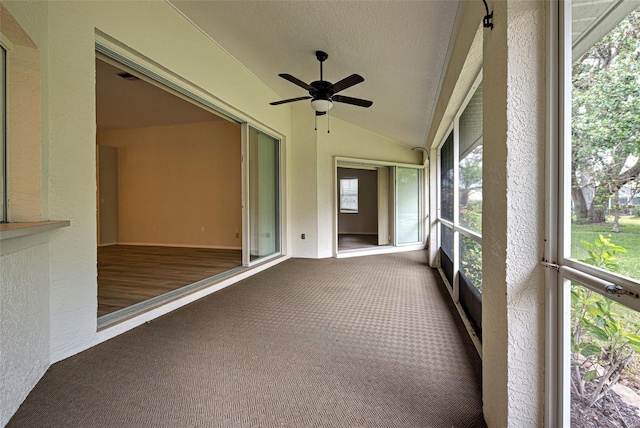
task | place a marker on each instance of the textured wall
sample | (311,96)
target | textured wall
(24,262)
(513,228)
(24,324)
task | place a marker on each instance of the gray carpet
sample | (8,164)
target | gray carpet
(362,342)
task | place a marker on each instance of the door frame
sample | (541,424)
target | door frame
(346,162)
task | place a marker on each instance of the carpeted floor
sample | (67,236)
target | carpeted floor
(360,342)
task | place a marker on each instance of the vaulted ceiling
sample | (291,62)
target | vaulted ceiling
(399,47)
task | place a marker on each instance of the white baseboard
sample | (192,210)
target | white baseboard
(155,244)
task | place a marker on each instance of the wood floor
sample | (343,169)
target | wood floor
(353,242)
(132,274)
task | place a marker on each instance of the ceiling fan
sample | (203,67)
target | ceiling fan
(322,93)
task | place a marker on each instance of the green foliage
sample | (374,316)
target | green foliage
(606,115)
(602,344)
(602,253)
(636,211)
(471,261)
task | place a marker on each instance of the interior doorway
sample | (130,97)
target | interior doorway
(378,207)
(358,210)
(169,193)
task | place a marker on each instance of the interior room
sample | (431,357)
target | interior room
(358,208)
(169,191)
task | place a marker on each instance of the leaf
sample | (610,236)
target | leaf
(598,333)
(590,349)
(590,375)
(634,339)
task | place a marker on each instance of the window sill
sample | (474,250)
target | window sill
(15,230)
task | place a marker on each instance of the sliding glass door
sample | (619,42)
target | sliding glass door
(408,202)
(262,199)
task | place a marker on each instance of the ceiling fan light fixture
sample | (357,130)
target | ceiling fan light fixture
(321,106)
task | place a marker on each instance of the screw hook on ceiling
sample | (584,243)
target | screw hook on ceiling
(487,21)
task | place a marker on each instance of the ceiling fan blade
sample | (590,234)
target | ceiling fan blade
(347,82)
(351,100)
(296,81)
(275,103)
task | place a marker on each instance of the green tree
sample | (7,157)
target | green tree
(606,119)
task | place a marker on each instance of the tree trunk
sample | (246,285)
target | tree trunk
(579,203)
(597,210)
(616,213)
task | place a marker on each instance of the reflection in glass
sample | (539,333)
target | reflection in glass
(408,205)
(446,252)
(471,261)
(470,166)
(446,179)
(264,195)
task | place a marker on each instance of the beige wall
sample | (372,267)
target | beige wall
(347,140)
(313,166)
(107,195)
(179,185)
(366,220)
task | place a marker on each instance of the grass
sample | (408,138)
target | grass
(629,238)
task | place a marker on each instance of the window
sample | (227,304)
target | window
(349,195)
(3,134)
(460,208)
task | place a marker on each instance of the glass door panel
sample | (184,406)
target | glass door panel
(264,195)
(605,148)
(605,370)
(408,198)
(599,249)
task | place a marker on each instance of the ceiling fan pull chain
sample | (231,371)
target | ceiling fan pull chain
(328,132)
(315,128)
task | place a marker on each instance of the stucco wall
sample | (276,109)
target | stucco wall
(512,59)
(24,262)
(513,215)
(24,325)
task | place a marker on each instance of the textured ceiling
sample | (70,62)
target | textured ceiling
(399,47)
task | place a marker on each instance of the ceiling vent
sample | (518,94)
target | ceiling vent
(128,76)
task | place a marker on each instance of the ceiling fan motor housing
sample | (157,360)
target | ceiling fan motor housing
(323,93)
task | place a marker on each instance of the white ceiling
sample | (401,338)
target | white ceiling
(399,47)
